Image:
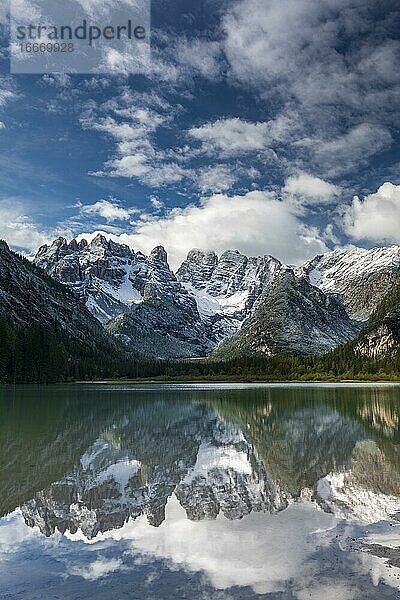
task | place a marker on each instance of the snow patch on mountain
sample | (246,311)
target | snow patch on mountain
(226,288)
(360,277)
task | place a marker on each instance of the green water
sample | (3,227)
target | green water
(200,491)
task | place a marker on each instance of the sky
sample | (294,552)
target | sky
(267,126)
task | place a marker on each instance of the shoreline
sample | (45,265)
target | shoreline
(164,381)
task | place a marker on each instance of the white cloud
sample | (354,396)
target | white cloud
(57,80)
(18,229)
(126,62)
(231,136)
(256,223)
(136,153)
(310,57)
(138,165)
(218,178)
(156,203)
(13,533)
(376,218)
(309,189)
(108,209)
(198,57)
(342,154)
(2,125)
(7,90)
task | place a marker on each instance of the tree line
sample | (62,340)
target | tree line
(36,355)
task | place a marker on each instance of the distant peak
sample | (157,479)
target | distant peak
(73,245)
(99,240)
(232,252)
(3,245)
(60,241)
(197,255)
(159,253)
(42,250)
(82,244)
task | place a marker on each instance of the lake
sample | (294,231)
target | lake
(203,491)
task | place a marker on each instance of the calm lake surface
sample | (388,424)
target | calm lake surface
(210,492)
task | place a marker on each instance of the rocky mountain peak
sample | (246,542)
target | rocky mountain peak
(73,245)
(59,242)
(361,277)
(291,317)
(226,288)
(99,240)
(210,298)
(198,268)
(159,253)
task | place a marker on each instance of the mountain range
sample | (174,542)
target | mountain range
(223,305)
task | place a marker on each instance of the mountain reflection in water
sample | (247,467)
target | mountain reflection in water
(200,491)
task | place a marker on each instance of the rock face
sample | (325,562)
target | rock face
(138,298)
(164,315)
(226,289)
(361,277)
(108,277)
(382,333)
(291,317)
(30,297)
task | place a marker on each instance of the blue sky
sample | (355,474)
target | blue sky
(270,126)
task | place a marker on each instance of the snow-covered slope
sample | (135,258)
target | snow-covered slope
(109,277)
(226,288)
(361,277)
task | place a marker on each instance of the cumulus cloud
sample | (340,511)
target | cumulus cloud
(310,57)
(255,223)
(218,178)
(308,189)
(19,230)
(231,136)
(131,120)
(375,218)
(108,209)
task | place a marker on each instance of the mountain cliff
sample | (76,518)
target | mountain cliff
(138,298)
(381,337)
(227,288)
(46,319)
(359,277)
(291,317)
